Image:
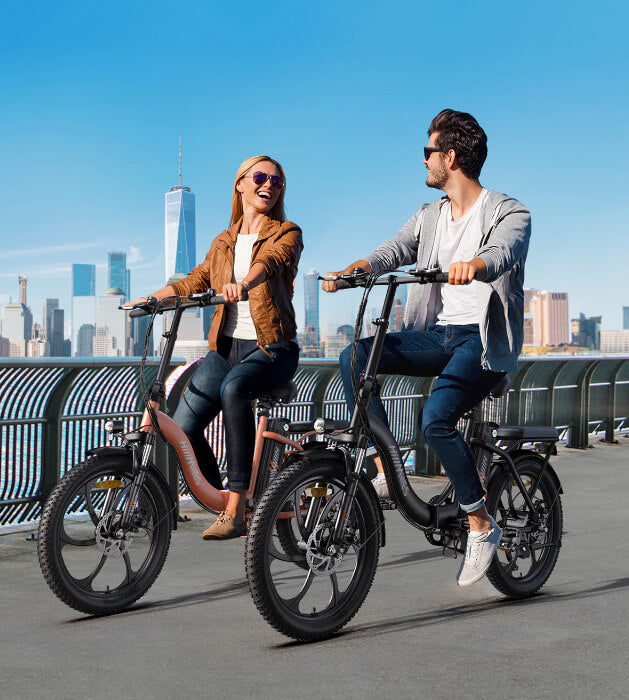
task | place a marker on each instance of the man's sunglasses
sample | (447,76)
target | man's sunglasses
(260,179)
(430,149)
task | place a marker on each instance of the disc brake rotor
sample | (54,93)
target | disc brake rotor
(321,563)
(111,541)
(322,560)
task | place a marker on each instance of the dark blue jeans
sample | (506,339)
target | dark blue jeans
(229,380)
(452,354)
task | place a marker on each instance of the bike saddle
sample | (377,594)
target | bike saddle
(283,394)
(502,388)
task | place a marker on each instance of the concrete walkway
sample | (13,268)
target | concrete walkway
(197,634)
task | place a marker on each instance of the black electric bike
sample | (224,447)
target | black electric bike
(310,591)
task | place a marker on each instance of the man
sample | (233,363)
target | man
(468,332)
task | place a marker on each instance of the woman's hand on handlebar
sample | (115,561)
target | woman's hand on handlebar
(466,272)
(234,291)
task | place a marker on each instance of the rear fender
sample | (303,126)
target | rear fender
(534,456)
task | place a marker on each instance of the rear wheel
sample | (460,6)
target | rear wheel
(311,593)
(527,553)
(88,561)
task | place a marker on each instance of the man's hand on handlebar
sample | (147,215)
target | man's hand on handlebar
(331,285)
(466,272)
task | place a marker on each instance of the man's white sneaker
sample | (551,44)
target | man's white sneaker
(480,550)
(379,483)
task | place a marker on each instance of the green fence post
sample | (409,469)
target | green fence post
(580,414)
(51,440)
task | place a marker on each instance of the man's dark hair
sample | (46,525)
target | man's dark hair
(462,133)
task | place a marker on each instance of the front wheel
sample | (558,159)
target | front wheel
(527,553)
(87,559)
(311,591)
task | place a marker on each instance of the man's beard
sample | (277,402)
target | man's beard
(437,177)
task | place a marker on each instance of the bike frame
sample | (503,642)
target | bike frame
(427,516)
(154,420)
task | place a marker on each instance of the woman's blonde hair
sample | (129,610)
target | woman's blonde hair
(277,212)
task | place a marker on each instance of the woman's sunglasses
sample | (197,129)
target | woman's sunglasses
(260,178)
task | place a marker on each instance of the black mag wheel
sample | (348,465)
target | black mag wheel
(289,538)
(87,560)
(527,554)
(314,601)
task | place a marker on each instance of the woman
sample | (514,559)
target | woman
(252,347)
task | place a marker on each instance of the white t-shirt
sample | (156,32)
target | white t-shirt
(238,321)
(458,242)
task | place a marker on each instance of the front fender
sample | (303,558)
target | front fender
(113,450)
(318,450)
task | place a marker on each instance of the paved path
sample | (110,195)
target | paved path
(196,634)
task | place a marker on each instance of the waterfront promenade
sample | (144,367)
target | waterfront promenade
(196,634)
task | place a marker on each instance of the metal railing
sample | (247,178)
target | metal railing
(53,410)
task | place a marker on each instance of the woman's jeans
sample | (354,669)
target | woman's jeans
(453,355)
(229,380)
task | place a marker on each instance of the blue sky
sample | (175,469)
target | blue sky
(96,95)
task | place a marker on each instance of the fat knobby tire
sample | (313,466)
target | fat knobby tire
(529,585)
(296,625)
(51,561)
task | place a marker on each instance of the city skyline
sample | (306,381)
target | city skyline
(100,329)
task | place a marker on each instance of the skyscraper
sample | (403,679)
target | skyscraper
(180,228)
(111,338)
(17,322)
(83,309)
(586,332)
(53,323)
(140,326)
(56,338)
(49,306)
(625,318)
(23,281)
(311,301)
(118,275)
(550,310)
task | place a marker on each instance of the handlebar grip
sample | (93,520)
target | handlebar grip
(220,299)
(136,313)
(441,277)
(343,284)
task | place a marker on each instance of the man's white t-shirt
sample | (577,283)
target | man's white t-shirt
(238,321)
(458,242)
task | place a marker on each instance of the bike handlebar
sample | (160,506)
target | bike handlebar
(359,279)
(209,298)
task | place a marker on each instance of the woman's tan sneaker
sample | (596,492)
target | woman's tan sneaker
(224,528)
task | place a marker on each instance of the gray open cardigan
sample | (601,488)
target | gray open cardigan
(506,229)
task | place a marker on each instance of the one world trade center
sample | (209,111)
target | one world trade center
(180,229)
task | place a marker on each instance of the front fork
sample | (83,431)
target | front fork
(141,457)
(353,472)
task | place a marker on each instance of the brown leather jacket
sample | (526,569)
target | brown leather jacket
(278,247)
